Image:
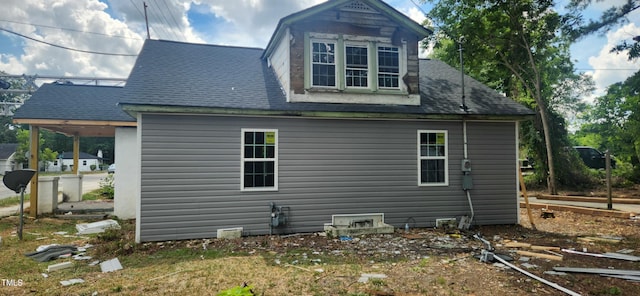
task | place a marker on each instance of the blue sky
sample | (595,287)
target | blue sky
(117,26)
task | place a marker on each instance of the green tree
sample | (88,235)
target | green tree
(577,27)
(613,122)
(513,46)
(47,156)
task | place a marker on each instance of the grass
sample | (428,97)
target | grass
(11,201)
(172,268)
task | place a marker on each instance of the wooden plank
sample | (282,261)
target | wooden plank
(545,248)
(526,197)
(588,199)
(538,255)
(517,245)
(581,210)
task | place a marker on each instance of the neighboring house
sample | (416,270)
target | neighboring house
(65,159)
(7,157)
(337,115)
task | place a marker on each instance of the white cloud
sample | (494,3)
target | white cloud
(85,16)
(610,68)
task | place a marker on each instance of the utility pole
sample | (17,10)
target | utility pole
(146,20)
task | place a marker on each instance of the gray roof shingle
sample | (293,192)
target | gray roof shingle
(74,102)
(6,150)
(169,73)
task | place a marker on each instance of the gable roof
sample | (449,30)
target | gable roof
(6,150)
(377,5)
(195,78)
(81,155)
(75,109)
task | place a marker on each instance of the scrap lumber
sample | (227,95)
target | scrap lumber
(605,255)
(59,266)
(598,270)
(530,246)
(539,255)
(590,239)
(581,210)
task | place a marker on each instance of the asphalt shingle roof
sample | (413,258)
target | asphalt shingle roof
(7,149)
(170,73)
(74,102)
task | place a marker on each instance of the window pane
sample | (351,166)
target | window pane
(248,152)
(432,171)
(259,138)
(259,152)
(248,137)
(269,180)
(271,151)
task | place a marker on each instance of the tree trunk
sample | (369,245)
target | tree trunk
(551,179)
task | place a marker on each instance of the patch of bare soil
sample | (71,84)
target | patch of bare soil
(435,262)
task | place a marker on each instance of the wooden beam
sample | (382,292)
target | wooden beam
(581,210)
(538,255)
(74,122)
(76,154)
(34,151)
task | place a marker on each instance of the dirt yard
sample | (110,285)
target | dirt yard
(421,262)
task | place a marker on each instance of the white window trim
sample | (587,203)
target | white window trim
(446,159)
(401,66)
(243,159)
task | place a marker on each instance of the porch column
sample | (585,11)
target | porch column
(34,151)
(76,153)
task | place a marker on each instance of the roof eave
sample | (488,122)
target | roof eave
(134,109)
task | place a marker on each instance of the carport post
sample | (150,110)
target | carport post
(76,153)
(34,151)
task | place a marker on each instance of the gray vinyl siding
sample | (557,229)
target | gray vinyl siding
(190,174)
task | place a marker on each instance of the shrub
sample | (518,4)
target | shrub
(93,167)
(107,186)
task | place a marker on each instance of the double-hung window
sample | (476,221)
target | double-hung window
(357,66)
(259,159)
(388,67)
(323,63)
(432,158)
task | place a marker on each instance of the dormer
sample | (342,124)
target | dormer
(348,51)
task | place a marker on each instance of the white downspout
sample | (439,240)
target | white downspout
(465,109)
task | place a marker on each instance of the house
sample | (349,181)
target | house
(87,162)
(337,115)
(7,157)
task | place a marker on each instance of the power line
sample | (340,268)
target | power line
(69,29)
(166,22)
(174,20)
(68,48)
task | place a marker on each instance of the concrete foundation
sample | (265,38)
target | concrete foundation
(230,232)
(72,187)
(357,224)
(47,195)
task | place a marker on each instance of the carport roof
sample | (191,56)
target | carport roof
(81,110)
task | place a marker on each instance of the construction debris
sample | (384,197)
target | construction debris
(601,271)
(366,276)
(539,255)
(605,239)
(110,265)
(49,252)
(71,282)
(59,266)
(97,227)
(605,255)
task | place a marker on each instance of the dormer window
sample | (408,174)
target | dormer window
(324,63)
(388,67)
(355,64)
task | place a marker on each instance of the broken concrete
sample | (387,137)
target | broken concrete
(97,227)
(110,265)
(59,266)
(71,282)
(229,233)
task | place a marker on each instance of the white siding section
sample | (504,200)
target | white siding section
(279,61)
(127,188)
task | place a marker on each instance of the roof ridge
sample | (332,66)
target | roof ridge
(205,44)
